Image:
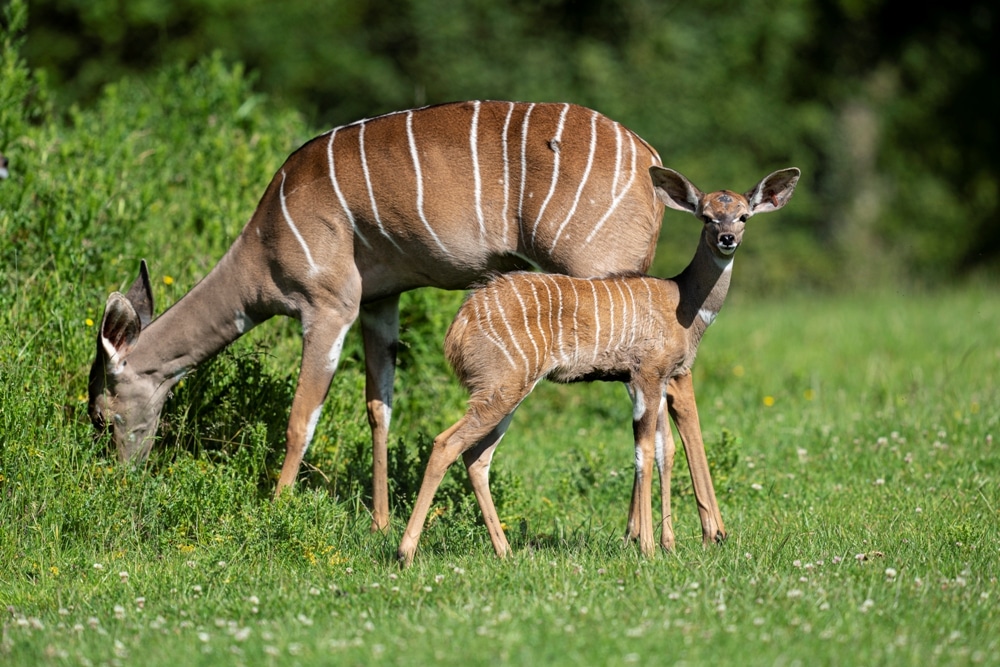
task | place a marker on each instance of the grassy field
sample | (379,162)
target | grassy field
(851,440)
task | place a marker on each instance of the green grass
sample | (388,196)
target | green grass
(857,478)
(851,440)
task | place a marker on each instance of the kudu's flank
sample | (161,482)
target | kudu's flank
(636,329)
(441,196)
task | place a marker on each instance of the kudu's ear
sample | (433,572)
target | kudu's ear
(675,190)
(140,295)
(773,191)
(119,331)
(125,316)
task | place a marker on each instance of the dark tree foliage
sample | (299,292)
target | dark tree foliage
(887,108)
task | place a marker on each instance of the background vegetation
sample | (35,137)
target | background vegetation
(851,434)
(888,111)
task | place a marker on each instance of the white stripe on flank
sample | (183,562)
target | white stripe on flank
(583,182)
(625,327)
(524,165)
(544,278)
(527,327)
(558,316)
(647,282)
(420,181)
(635,315)
(617,198)
(597,320)
(512,337)
(336,189)
(291,224)
(541,329)
(492,335)
(556,150)
(368,183)
(474,144)
(611,315)
(576,309)
(506,173)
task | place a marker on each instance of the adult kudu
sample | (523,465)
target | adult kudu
(441,196)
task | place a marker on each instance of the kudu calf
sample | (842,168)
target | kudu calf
(441,196)
(643,331)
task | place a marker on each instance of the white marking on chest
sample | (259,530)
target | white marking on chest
(291,225)
(243,323)
(420,182)
(707,316)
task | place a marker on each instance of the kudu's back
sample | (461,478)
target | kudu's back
(443,195)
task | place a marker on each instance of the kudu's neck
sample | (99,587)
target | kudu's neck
(212,315)
(703,286)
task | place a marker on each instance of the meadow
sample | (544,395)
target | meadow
(851,438)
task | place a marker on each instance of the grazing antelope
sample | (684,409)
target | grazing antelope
(441,196)
(3,166)
(636,329)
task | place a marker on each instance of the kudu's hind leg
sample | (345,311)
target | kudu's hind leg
(477,462)
(483,424)
(380,332)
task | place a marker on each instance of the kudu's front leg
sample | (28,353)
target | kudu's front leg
(380,332)
(322,342)
(681,403)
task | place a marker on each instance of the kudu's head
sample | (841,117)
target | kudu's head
(122,399)
(725,212)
